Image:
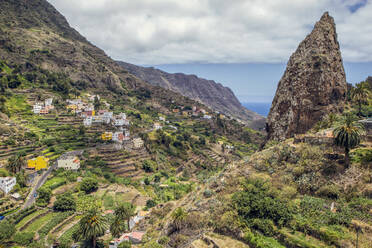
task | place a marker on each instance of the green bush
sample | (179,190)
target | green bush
(65,202)
(88,185)
(207,193)
(125,244)
(329,191)
(257,240)
(7,229)
(149,165)
(44,195)
(255,201)
(150,203)
(163,240)
(265,226)
(24,238)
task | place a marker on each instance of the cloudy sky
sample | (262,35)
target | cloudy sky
(202,36)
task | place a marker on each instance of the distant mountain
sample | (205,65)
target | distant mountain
(208,92)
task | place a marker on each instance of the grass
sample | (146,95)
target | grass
(299,239)
(67,236)
(29,217)
(108,201)
(17,104)
(38,223)
(54,182)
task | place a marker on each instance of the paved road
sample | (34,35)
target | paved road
(31,197)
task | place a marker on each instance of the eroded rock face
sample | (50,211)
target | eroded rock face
(313,85)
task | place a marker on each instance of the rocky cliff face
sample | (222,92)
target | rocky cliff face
(208,92)
(312,86)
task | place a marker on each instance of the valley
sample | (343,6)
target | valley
(96,153)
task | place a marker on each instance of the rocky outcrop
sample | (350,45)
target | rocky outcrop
(312,86)
(208,92)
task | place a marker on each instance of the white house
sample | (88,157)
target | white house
(134,237)
(207,117)
(48,101)
(97,119)
(122,116)
(121,120)
(161,118)
(7,184)
(137,143)
(88,121)
(126,134)
(118,137)
(37,108)
(157,126)
(69,163)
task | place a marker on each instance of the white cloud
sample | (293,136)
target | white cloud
(214,31)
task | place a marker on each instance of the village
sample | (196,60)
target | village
(115,136)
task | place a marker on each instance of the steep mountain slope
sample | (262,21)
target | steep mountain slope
(208,92)
(34,34)
(313,84)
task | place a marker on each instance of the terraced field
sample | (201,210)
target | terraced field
(123,163)
(37,223)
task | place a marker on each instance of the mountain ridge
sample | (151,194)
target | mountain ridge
(214,95)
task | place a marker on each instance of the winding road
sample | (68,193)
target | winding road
(31,197)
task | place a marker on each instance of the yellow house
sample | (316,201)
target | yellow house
(107,136)
(38,163)
(72,106)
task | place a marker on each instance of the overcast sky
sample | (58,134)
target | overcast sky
(192,32)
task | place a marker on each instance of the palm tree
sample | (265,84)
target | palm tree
(92,225)
(124,212)
(359,94)
(348,135)
(117,227)
(179,216)
(15,163)
(332,118)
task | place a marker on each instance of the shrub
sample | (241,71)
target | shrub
(207,193)
(329,191)
(44,195)
(7,229)
(255,201)
(24,238)
(152,244)
(125,244)
(65,202)
(88,185)
(163,240)
(259,241)
(263,225)
(149,165)
(150,203)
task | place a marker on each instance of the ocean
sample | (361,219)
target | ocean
(262,108)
